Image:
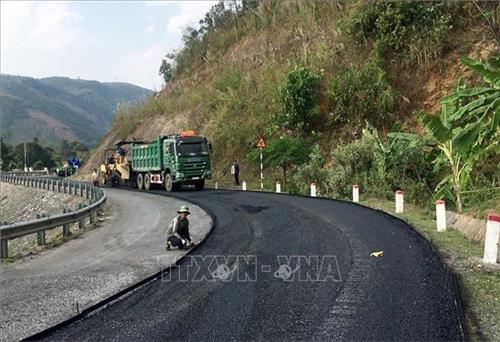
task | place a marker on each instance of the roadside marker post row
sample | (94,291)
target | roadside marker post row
(492,227)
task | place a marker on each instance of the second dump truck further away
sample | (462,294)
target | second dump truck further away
(167,162)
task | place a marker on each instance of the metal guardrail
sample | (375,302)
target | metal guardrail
(27,173)
(96,196)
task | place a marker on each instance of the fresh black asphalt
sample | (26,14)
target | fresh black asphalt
(404,295)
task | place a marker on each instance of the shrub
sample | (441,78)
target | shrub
(362,94)
(415,30)
(297,96)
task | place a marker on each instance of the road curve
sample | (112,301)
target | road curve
(404,295)
(40,291)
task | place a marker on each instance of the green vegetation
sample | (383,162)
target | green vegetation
(466,132)
(285,153)
(298,98)
(39,156)
(362,94)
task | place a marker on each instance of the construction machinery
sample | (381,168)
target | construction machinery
(169,162)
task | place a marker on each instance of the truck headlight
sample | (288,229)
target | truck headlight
(180,175)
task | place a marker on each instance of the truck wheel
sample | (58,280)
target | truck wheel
(140,181)
(167,181)
(147,182)
(199,185)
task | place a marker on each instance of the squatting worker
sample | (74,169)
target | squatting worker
(178,230)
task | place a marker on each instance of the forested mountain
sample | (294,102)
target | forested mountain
(57,108)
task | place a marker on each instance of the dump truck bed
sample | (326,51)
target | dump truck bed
(147,156)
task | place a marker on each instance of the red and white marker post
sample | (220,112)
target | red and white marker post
(355,193)
(399,202)
(440,216)
(491,239)
(313,189)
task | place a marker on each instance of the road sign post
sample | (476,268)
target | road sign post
(261,144)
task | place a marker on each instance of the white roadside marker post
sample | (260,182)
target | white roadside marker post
(216,185)
(440,216)
(313,189)
(355,193)
(278,187)
(399,202)
(244,186)
(491,239)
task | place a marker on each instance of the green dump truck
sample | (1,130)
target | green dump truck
(168,162)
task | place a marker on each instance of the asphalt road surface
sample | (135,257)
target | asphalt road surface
(40,291)
(304,272)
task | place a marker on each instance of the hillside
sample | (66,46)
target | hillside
(58,108)
(325,72)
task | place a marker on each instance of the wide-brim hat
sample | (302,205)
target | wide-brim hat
(183,209)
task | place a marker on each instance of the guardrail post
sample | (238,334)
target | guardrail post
(40,234)
(81,189)
(58,186)
(87,191)
(4,249)
(81,222)
(66,231)
(92,217)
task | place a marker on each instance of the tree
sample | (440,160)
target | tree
(467,130)
(284,153)
(297,96)
(166,70)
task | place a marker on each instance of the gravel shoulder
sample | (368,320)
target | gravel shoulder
(43,290)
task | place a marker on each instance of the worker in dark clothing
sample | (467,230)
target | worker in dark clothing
(235,171)
(178,230)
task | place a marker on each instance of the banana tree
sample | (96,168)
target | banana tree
(467,129)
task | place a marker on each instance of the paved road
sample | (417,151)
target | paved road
(404,295)
(38,292)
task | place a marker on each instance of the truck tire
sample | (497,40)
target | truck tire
(168,183)
(199,185)
(147,182)
(140,181)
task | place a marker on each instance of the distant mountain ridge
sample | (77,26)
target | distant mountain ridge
(56,108)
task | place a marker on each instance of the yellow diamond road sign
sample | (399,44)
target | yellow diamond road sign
(261,143)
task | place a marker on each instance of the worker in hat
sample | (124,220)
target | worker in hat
(178,230)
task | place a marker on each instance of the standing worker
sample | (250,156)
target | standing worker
(235,171)
(95,178)
(178,230)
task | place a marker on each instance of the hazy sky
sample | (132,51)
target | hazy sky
(107,41)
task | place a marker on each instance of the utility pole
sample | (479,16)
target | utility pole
(25,166)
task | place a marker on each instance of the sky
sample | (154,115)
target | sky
(107,41)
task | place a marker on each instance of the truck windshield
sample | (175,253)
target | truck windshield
(192,149)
